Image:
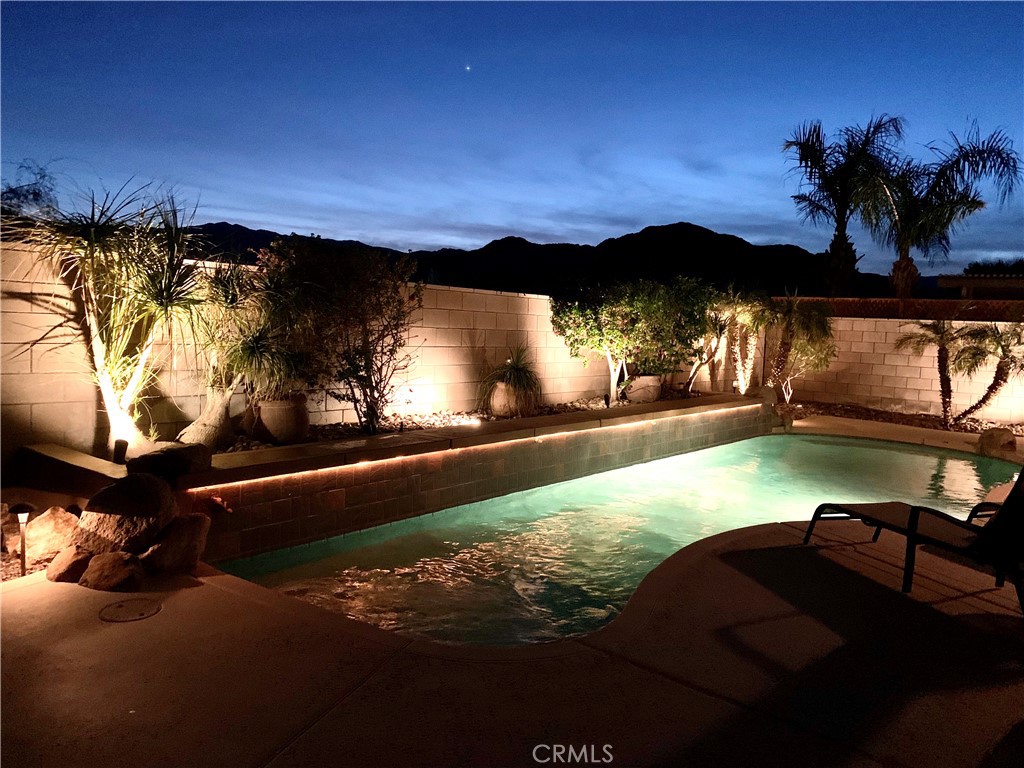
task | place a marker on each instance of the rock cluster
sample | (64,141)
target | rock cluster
(130,529)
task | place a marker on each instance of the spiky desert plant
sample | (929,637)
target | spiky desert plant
(125,259)
(522,384)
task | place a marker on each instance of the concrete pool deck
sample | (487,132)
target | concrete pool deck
(744,649)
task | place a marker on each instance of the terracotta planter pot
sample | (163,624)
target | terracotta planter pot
(502,404)
(644,389)
(282,421)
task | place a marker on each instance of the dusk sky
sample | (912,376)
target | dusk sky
(434,124)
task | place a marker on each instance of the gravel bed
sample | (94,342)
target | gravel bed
(809,408)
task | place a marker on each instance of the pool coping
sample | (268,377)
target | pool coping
(661,660)
(710,641)
(839,426)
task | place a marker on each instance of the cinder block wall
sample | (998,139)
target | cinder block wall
(47,394)
(46,391)
(871,371)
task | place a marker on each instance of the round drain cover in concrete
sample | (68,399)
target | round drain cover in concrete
(135,609)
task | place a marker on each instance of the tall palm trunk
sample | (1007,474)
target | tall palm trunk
(781,356)
(945,385)
(904,275)
(841,262)
(999,378)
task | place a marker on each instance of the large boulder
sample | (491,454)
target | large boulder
(113,572)
(69,565)
(179,547)
(47,534)
(172,461)
(127,515)
(997,441)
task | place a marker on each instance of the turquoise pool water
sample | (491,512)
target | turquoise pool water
(564,559)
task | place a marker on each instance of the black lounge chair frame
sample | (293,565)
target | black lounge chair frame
(998,543)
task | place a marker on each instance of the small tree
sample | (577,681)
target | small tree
(954,354)
(591,320)
(32,193)
(366,333)
(711,347)
(652,326)
(795,320)
(665,324)
(805,356)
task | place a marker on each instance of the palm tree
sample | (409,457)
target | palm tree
(956,354)
(922,204)
(839,177)
(796,320)
(987,341)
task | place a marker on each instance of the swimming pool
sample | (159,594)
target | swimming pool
(562,560)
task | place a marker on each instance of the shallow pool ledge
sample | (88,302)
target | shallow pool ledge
(288,496)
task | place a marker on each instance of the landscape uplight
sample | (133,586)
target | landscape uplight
(22,522)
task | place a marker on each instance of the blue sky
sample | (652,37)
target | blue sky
(433,124)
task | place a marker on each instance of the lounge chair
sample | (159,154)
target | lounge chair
(998,542)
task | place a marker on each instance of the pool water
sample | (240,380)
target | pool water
(563,559)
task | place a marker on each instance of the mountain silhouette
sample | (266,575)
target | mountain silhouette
(658,253)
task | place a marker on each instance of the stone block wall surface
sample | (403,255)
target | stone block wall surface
(292,509)
(459,335)
(871,371)
(46,389)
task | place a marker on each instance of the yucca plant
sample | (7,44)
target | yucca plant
(125,260)
(520,380)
